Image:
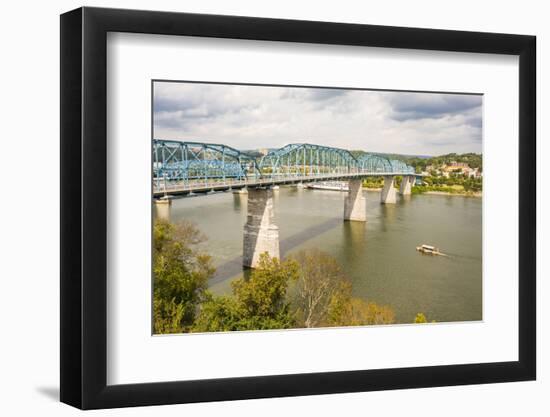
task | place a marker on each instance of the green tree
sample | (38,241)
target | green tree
(181,273)
(258,303)
(219,314)
(167,316)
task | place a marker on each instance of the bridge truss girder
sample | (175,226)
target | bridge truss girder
(303,159)
(377,163)
(185,161)
(197,161)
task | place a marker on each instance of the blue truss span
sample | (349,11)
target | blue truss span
(184,161)
(187,163)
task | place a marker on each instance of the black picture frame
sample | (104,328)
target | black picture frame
(84,207)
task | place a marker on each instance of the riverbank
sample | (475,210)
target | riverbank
(457,193)
(463,194)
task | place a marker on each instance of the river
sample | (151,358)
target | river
(378,256)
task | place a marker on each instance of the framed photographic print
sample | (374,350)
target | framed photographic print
(257,207)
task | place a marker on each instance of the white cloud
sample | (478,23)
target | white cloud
(249,117)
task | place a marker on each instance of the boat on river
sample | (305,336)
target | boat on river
(429,250)
(329,185)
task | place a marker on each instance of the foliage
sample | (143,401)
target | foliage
(456,189)
(421,318)
(474,184)
(418,190)
(218,314)
(345,310)
(474,160)
(258,303)
(180,273)
(373,182)
(322,296)
(167,316)
(319,279)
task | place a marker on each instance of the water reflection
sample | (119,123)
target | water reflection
(405,198)
(239,201)
(355,239)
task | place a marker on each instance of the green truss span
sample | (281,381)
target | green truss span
(190,161)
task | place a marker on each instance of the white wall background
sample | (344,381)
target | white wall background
(29,219)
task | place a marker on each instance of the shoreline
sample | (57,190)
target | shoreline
(475,195)
(461,194)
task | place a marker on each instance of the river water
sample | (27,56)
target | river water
(379,256)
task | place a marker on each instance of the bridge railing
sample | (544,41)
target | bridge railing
(202,185)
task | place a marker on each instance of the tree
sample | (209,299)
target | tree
(219,314)
(345,310)
(167,316)
(421,318)
(258,303)
(322,296)
(180,272)
(319,278)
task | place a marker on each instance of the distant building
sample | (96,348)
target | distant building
(476,173)
(455,164)
(455,167)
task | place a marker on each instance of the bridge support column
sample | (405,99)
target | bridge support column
(260,232)
(163,208)
(406,184)
(355,207)
(388,192)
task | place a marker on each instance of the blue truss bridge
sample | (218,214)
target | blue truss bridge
(181,168)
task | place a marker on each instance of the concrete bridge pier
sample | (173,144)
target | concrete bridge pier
(388,192)
(163,208)
(355,207)
(406,184)
(260,232)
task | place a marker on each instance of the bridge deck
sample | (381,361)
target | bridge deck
(181,188)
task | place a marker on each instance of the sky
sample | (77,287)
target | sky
(254,117)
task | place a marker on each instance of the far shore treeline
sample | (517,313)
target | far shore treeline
(307,289)
(420,162)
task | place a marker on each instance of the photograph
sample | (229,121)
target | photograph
(295,207)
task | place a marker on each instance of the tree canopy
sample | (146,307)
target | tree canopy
(259,302)
(322,295)
(181,273)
